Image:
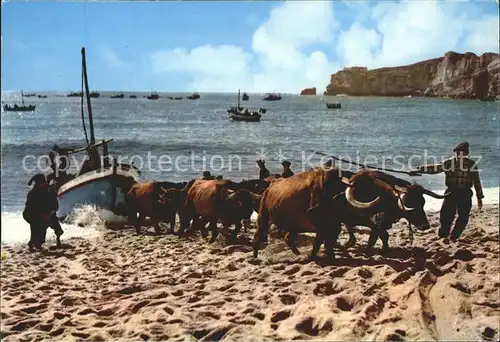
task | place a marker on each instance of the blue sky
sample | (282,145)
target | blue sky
(221,46)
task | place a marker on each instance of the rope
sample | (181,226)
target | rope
(365,166)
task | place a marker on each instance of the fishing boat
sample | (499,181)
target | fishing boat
(94,94)
(102,182)
(243,114)
(153,96)
(19,108)
(245,97)
(195,96)
(74,94)
(119,96)
(133,96)
(272,97)
(29,95)
(42,96)
(334,105)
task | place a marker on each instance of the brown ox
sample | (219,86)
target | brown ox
(293,205)
(216,201)
(147,199)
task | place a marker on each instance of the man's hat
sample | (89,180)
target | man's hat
(463,146)
(206,173)
(286,163)
(39,178)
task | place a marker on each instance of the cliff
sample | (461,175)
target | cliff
(455,75)
(308,91)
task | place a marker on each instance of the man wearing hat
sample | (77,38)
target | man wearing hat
(461,174)
(207,175)
(286,169)
(39,211)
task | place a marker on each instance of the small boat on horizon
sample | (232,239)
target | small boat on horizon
(19,108)
(119,96)
(272,97)
(153,96)
(29,95)
(74,94)
(237,113)
(133,96)
(94,94)
(42,96)
(195,96)
(245,97)
(334,105)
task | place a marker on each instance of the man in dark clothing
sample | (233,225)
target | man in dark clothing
(263,171)
(39,212)
(286,169)
(461,174)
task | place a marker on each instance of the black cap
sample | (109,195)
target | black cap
(39,178)
(206,173)
(286,163)
(463,146)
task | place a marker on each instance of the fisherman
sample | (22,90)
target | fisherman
(263,171)
(58,156)
(39,212)
(207,175)
(287,172)
(461,174)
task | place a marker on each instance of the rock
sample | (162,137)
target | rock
(308,91)
(489,333)
(456,75)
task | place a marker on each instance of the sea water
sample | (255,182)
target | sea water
(196,135)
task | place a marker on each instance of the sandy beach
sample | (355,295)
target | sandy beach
(124,286)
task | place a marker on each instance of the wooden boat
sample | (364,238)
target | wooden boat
(245,97)
(19,108)
(153,96)
(272,97)
(74,94)
(133,96)
(243,114)
(42,96)
(334,105)
(195,96)
(101,185)
(94,94)
(119,96)
(29,95)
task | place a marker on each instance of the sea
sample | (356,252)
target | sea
(177,140)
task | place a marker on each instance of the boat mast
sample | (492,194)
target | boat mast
(238,99)
(22,97)
(91,122)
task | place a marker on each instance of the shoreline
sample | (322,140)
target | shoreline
(163,287)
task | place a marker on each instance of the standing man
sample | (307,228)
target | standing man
(461,174)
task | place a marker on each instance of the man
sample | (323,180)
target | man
(39,212)
(287,172)
(59,164)
(461,174)
(207,176)
(263,171)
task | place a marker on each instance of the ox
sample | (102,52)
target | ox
(396,199)
(216,201)
(298,204)
(148,199)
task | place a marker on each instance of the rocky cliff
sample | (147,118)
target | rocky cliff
(455,75)
(308,91)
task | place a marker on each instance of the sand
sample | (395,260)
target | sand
(124,286)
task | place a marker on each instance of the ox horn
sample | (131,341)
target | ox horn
(349,195)
(433,194)
(401,203)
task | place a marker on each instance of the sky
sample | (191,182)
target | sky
(258,46)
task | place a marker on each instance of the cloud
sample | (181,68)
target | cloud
(410,31)
(112,58)
(301,44)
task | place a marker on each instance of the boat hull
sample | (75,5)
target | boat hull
(247,118)
(19,109)
(105,190)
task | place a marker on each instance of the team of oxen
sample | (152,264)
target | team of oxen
(318,201)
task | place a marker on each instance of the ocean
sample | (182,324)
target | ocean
(190,136)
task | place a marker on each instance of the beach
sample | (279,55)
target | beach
(119,285)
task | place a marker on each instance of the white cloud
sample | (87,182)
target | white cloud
(112,58)
(383,34)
